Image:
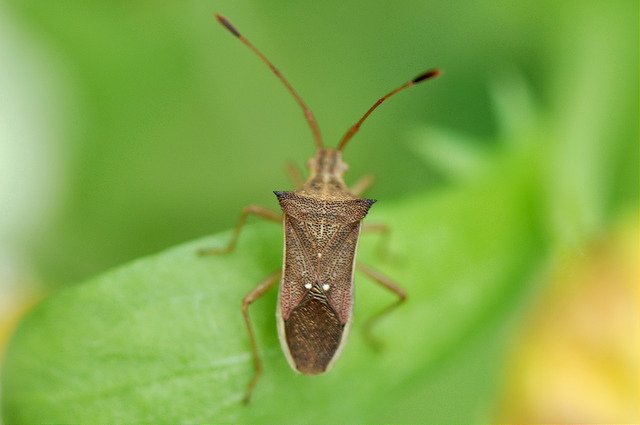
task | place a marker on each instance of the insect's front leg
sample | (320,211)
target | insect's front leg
(251,209)
(362,184)
(256,293)
(294,173)
(389,284)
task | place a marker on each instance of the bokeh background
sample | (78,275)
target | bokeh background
(129,127)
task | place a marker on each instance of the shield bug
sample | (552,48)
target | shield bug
(322,221)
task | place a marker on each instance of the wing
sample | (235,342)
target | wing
(319,256)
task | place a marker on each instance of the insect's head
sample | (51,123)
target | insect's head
(327,161)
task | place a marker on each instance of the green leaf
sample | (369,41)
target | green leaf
(162,339)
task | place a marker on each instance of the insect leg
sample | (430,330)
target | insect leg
(251,209)
(362,184)
(384,231)
(294,173)
(392,286)
(256,293)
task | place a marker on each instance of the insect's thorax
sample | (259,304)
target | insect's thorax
(322,219)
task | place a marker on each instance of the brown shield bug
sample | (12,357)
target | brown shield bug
(322,221)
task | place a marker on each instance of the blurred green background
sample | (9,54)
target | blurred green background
(127,127)
(131,127)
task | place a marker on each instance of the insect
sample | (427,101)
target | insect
(322,223)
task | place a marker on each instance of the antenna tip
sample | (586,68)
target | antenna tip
(432,73)
(223,21)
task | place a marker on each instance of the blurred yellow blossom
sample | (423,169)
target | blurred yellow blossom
(578,358)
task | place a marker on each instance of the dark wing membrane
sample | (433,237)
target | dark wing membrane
(313,332)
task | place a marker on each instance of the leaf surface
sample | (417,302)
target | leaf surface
(162,339)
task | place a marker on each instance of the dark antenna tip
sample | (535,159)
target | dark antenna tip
(353,130)
(432,73)
(223,21)
(313,124)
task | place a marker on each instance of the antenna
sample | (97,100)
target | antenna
(353,130)
(307,112)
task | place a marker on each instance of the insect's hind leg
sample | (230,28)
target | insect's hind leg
(250,209)
(256,293)
(392,286)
